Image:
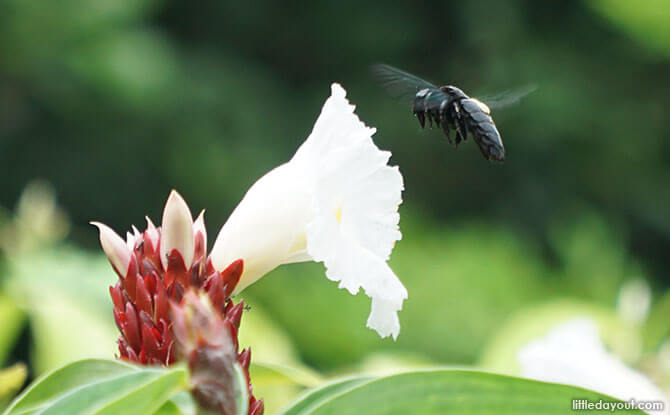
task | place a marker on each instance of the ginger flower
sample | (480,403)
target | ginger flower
(336,201)
(156,268)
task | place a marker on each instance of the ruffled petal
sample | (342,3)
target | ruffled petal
(356,203)
(336,201)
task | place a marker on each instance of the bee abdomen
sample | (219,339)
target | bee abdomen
(483,130)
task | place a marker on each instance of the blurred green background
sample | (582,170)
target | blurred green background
(109,104)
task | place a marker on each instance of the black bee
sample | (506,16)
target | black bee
(450,108)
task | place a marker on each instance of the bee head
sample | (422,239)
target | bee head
(453,91)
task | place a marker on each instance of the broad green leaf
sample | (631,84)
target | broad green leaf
(97,387)
(317,396)
(12,321)
(438,392)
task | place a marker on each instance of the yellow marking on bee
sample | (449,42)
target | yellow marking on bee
(482,106)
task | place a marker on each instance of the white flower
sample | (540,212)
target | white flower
(572,353)
(336,201)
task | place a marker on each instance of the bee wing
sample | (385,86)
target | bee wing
(398,83)
(507,98)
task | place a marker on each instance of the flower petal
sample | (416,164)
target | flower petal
(356,267)
(115,248)
(199,227)
(267,227)
(152,232)
(177,230)
(199,237)
(336,201)
(356,203)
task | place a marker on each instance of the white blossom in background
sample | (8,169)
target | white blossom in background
(572,353)
(336,201)
(634,301)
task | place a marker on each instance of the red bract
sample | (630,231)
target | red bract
(153,281)
(207,341)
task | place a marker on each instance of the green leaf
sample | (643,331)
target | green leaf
(317,396)
(97,387)
(461,392)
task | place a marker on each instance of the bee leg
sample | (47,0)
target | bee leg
(459,121)
(462,129)
(430,119)
(454,115)
(445,128)
(422,118)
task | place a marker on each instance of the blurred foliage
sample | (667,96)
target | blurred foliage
(117,102)
(279,385)
(64,302)
(649,23)
(442,274)
(113,103)
(537,320)
(60,289)
(12,321)
(11,380)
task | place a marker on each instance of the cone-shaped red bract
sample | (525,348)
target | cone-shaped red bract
(143,295)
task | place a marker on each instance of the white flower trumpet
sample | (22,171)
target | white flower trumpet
(336,201)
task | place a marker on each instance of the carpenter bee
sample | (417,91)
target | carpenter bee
(450,108)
